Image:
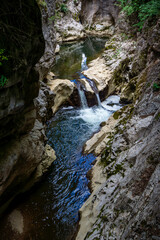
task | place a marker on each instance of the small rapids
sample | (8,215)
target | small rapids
(67,132)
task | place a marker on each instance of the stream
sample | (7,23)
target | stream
(53,207)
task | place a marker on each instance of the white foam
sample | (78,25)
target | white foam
(93,116)
(98,114)
(112,99)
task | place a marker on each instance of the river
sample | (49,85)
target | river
(52,209)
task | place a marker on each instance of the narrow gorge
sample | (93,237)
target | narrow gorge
(80,120)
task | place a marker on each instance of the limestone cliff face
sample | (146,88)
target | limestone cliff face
(99,10)
(67,22)
(47,9)
(99,16)
(125,202)
(22,134)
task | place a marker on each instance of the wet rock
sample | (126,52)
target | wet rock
(86,85)
(57,49)
(111,71)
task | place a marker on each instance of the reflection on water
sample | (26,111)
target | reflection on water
(52,209)
(54,205)
(68,62)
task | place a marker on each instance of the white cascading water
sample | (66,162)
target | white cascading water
(99,113)
(84,67)
(93,116)
(84,62)
(98,100)
(82,96)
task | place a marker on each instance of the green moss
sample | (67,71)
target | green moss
(90,233)
(117,212)
(157,117)
(110,46)
(104,219)
(42,3)
(118,75)
(116,115)
(117,169)
(139,85)
(76,16)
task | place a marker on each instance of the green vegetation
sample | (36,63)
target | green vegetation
(42,3)
(3,58)
(64,8)
(144,9)
(156,86)
(3,81)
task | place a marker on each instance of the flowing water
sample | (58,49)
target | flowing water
(52,209)
(68,62)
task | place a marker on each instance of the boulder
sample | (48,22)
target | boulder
(97,143)
(63,89)
(98,72)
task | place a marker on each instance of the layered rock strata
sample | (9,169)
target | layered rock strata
(125,200)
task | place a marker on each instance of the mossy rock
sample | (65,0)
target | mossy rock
(110,46)
(119,74)
(127,94)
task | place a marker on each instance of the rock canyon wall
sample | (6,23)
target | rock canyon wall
(22,132)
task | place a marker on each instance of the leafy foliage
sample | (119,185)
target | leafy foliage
(2,56)
(64,8)
(3,81)
(156,86)
(143,8)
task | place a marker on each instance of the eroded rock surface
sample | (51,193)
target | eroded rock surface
(46,61)
(99,17)
(67,24)
(125,201)
(63,89)
(22,133)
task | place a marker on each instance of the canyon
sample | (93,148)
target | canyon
(125,149)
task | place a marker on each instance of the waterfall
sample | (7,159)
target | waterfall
(92,84)
(94,87)
(82,96)
(81,92)
(84,62)
(98,99)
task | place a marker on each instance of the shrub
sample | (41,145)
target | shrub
(144,9)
